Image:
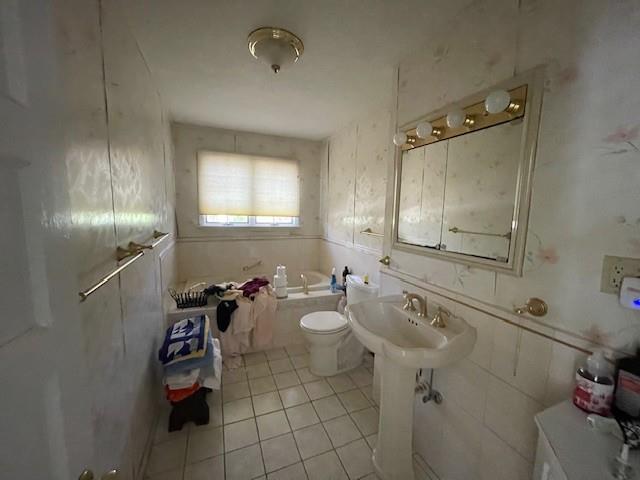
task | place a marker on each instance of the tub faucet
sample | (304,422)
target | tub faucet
(410,307)
(305,284)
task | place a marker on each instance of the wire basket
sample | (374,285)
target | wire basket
(189,299)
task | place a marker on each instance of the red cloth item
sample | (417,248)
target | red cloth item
(181,393)
(253,286)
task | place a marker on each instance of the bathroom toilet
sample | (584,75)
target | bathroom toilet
(333,347)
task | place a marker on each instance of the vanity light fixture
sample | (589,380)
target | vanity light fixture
(426,130)
(482,111)
(275,46)
(500,101)
(458,118)
(401,138)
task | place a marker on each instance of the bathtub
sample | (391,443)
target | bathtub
(316,280)
(286,330)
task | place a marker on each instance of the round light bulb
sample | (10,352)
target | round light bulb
(400,139)
(497,101)
(424,130)
(456,118)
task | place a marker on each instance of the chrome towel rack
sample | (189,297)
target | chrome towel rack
(133,253)
(471,232)
(368,231)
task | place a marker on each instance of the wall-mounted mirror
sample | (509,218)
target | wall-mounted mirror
(463,194)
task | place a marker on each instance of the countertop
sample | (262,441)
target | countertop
(583,453)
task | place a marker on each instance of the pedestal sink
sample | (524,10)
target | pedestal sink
(406,342)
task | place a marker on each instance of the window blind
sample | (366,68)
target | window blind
(235,184)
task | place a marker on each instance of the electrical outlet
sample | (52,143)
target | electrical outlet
(614,269)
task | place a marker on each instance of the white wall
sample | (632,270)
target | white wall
(92,149)
(584,206)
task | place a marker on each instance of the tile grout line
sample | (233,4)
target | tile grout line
(283,409)
(186,451)
(295,442)
(329,436)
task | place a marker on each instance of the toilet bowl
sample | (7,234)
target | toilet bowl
(332,346)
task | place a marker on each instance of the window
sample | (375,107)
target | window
(247,221)
(242,190)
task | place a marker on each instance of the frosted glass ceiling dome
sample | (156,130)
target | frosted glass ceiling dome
(275,46)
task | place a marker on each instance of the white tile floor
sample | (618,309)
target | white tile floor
(274,419)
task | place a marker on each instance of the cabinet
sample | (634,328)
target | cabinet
(568,449)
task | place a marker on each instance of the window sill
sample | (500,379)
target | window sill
(245,227)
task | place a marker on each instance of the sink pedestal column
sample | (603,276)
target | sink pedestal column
(393,455)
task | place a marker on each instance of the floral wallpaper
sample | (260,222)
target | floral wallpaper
(586,188)
(356,181)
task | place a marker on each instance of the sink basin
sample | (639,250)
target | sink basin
(386,329)
(403,342)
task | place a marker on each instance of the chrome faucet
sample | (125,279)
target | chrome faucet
(305,284)
(441,318)
(410,307)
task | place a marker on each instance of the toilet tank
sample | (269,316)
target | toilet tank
(357,291)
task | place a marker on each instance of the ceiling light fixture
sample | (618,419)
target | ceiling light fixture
(275,46)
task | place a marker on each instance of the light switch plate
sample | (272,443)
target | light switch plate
(614,269)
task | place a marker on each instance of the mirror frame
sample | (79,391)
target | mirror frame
(534,79)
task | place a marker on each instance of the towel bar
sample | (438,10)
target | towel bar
(133,253)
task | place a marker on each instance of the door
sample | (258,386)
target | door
(45,420)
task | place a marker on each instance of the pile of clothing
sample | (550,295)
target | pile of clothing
(244,316)
(191,358)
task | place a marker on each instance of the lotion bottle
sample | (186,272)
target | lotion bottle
(334,282)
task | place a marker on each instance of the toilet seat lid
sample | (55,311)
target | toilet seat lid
(323,322)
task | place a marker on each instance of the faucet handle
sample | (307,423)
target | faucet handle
(441,317)
(408,302)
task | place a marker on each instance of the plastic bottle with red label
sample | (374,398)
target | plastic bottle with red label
(594,385)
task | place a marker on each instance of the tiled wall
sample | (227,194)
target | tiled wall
(92,137)
(223,258)
(484,428)
(359,261)
(584,206)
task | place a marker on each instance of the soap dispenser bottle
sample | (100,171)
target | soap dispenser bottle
(594,385)
(345,272)
(334,281)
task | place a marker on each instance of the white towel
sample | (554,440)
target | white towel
(263,316)
(242,319)
(183,379)
(214,378)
